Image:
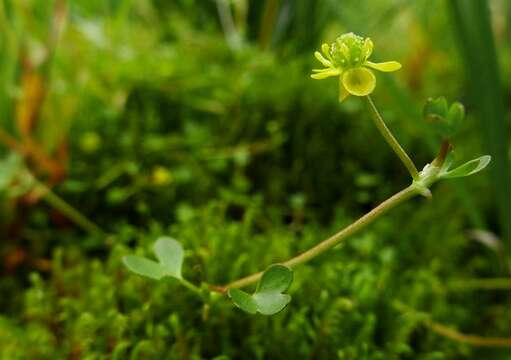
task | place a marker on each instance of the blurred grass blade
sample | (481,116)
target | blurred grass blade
(472,24)
(271,9)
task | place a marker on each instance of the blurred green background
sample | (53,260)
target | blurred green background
(198,119)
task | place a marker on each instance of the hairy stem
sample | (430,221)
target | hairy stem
(332,241)
(391,140)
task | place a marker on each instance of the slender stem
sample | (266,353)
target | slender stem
(70,212)
(442,155)
(452,334)
(335,239)
(191,286)
(391,140)
(27,149)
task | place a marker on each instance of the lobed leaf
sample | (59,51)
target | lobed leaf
(277,278)
(268,299)
(170,254)
(445,120)
(435,109)
(271,303)
(145,267)
(243,300)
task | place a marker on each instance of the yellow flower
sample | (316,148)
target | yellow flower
(347,58)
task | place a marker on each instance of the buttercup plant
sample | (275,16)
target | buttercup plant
(346,58)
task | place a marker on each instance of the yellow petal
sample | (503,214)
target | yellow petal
(368,48)
(359,81)
(343,93)
(388,66)
(322,60)
(326,50)
(327,69)
(326,73)
(345,51)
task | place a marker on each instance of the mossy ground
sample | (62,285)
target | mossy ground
(245,160)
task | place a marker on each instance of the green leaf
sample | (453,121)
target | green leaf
(469,168)
(243,300)
(277,278)
(170,254)
(449,159)
(268,299)
(445,120)
(271,303)
(455,118)
(435,109)
(145,267)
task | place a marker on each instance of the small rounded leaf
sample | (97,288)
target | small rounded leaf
(268,298)
(455,117)
(445,120)
(145,267)
(277,278)
(170,254)
(270,303)
(243,300)
(435,109)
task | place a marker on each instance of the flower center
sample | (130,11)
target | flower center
(349,51)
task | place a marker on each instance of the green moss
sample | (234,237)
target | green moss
(247,162)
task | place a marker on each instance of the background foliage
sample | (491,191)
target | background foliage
(198,120)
